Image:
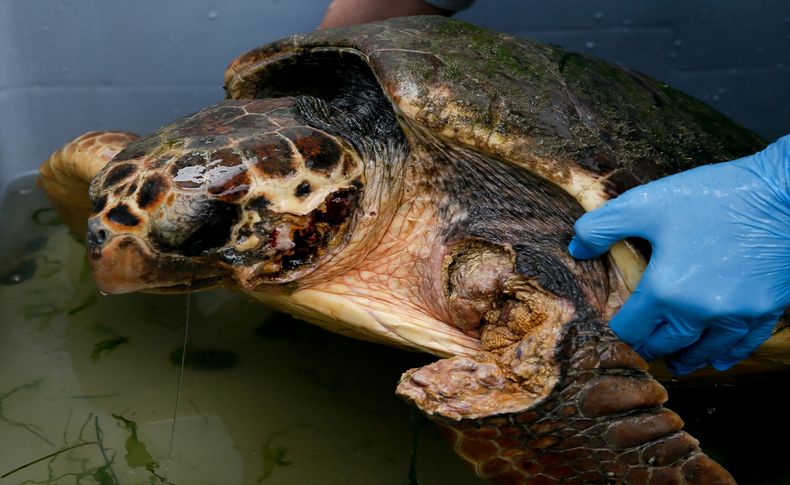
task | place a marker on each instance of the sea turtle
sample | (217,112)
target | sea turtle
(415,182)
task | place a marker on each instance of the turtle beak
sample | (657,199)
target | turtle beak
(117,262)
(124,263)
(96,237)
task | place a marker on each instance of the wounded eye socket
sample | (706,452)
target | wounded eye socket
(207,227)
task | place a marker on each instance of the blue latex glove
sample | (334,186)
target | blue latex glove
(719,276)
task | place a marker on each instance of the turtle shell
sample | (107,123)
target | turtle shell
(592,127)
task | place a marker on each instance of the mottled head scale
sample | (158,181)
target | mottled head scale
(243,190)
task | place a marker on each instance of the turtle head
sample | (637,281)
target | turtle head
(241,193)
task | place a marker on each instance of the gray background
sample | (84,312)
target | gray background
(70,66)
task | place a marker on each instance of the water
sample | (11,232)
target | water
(265,398)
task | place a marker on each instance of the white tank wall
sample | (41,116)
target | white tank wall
(69,66)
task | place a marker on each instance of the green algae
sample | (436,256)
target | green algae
(100,349)
(103,473)
(137,456)
(273,456)
(40,311)
(48,267)
(31,428)
(46,457)
(85,304)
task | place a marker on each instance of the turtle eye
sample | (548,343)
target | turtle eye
(214,231)
(195,227)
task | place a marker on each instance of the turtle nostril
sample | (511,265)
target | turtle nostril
(97,234)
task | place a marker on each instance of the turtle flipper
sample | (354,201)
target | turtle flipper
(598,419)
(66,175)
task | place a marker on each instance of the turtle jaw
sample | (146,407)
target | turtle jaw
(125,264)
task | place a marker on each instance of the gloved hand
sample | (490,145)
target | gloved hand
(719,276)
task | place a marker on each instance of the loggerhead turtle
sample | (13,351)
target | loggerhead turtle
(415,182)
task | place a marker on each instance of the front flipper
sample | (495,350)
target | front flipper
(593,416)
(66,175)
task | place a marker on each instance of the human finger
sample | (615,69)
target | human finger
(760,331)
(637,319)
(669,337)
(719,336)
(596,231)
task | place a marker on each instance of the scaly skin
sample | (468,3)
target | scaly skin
(601,423)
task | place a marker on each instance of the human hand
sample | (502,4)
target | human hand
(351,12)
(719,275)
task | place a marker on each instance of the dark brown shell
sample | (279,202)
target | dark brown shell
(571,118)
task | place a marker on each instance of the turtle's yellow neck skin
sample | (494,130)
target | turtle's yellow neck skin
(389,296)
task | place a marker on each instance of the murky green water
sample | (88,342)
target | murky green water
(88,387)
(89,381)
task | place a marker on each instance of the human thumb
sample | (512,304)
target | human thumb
(622,217)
